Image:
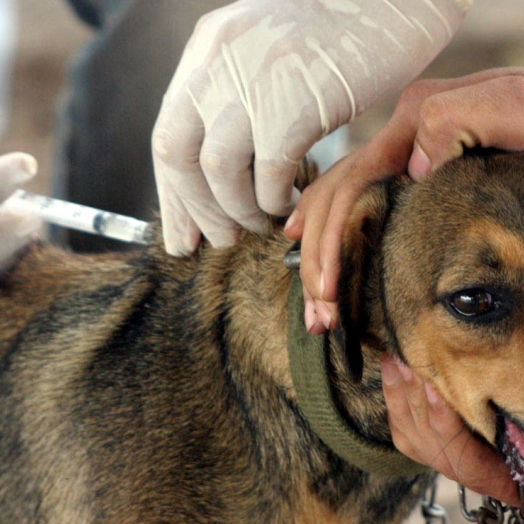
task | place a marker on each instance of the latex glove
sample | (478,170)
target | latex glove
(259,83)
(15,229)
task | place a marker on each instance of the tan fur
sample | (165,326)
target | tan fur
(474,235)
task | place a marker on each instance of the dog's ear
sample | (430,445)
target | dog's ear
(359,276)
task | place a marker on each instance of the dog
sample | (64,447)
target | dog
(145,388)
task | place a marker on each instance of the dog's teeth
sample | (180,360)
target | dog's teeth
(517,477)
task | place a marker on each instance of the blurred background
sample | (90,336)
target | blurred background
(39,38)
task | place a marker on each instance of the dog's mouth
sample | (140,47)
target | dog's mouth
(510,442)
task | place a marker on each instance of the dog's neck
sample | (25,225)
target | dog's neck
(311,370)
(250,283)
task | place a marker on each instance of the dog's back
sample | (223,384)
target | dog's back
(144,388)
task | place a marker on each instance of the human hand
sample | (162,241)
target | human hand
(433,121)
(259,83)
(425,429)
(15,229)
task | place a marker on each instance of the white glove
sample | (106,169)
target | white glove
(259,83)
(15,229)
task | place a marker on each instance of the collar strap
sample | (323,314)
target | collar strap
(308,362)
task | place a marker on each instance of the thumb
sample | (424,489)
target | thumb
(15,170)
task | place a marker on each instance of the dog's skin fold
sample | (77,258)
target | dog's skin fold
(143,388)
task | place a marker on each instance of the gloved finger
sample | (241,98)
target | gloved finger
(15,229)
(181,234)
(187,204)
(227,163)
(215,225)
(188,212)
(274,185)
(282,137)
(230,123)
(15,170)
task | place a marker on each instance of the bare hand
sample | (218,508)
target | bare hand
(441,117)
(425,429)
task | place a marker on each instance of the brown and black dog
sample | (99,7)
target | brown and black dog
(142,388)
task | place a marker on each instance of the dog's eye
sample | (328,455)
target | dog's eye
(479,305)
(472,302)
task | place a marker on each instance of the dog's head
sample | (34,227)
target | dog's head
(439,268)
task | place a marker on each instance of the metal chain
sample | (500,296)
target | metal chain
(493,511)
(432,512)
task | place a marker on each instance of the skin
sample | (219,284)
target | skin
(433,122)
(425,429)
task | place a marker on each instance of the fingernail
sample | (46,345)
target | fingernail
(323,313)
(310,315)
(390,374)
(419,163)
(433,397)
(405,371)
(292,220)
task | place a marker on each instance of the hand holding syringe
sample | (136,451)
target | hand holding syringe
(17,168)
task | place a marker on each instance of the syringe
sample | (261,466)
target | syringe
(81,218)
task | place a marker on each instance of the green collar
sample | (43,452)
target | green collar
(308,364)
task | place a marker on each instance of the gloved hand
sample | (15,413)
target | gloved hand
(259,83)
(15,229)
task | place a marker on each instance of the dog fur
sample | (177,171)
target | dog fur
(145,388)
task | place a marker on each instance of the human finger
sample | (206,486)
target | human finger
(16,169)
(227,163)
(483,110)
(322,213)
(16,229)
(313,209)
(425,429)
(386,154)
(187,204)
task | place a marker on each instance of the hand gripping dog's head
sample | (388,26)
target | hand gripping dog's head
(445,288)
